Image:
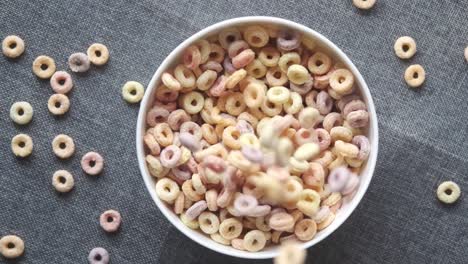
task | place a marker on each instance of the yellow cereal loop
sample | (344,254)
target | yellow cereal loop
(167,190)
(254,95)
(208,222)
(309,202)
(235,104)
(298,74)
(185,76)
(22,145)
(249,139)
(294,104)
(278,94)
(405,47)
(346,149)
(192,224)
(231,137)
(230,228)
(256,36)
(415,75)
(448,192)
(254,241)
(193,102)
(298,165)
(269,56)
(235,78)
(132,92)
(287,60)
(341,133)
(342,81)
(319,63)
(307,151)
(256,69)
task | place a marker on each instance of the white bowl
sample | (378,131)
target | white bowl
(332,50)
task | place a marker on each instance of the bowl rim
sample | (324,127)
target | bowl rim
(175,53)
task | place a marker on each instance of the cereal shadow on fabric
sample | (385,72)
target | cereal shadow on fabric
(17,260)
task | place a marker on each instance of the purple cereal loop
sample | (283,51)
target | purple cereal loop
(177,118)
(170,156)
(237,47)
(322,81)
(156,115)
(352,106)
(324,103)
(362,142)
(252,154)
(212,65)
(324,138)
(340,104)
(61,82)
(196,209)
(110,220)
(182,172)
(245,203)
(303,88)
(190,141)
(338,178)
(351,185)
(228,67)
(260,211)
(92,163)
(78,62)
(219,86)
(98,256)
(244,127)
(288,40)
(357,119)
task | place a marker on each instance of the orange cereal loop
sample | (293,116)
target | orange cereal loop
(98,54)
(163,134)
(415,75)
(12,46)
(44,67)
(231,137)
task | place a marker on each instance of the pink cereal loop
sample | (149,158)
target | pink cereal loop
(230,178)
(214,163)
(156,115)
(169,106)
(322,214)
(324,138)
(182,172)
(219,87)
(92,163)
(352,106)
(170,156)
(110,220)
(61,82)
(225,198)
(362,142)
(243,59)
(237,47)
(192,165)
(177,118)
(245,204)
(196,209)
(192,57)
(338,178)
(340,104)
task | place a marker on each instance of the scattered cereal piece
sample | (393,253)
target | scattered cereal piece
(58,104)
(92,163)
(63,181)
(290,253)
(78,62)
(98,256)
(61,82)
(98,54)
(405,47)
(415,75)
(132,92)
(21,113)
(364,4)
(11,246)
(63,146)
(448,192)
(110,220)
(44,67)
(466,53)
(22,145)
(254,241)
(12,46)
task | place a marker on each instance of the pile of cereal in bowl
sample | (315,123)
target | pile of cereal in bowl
(256,137)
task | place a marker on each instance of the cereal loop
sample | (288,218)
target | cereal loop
(364,4)
(92,163)
(415,75)
(12,46)
(98,54)
(78,62)
(63,146)
(43,67)
(448,192)
(22,145)
(110,221)
(132,92)
(63,181)
(11,246)
(405,47)
(61,82)
(21,113)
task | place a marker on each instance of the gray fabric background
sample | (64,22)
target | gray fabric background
(424,138)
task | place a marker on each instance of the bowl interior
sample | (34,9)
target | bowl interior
(324,45)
